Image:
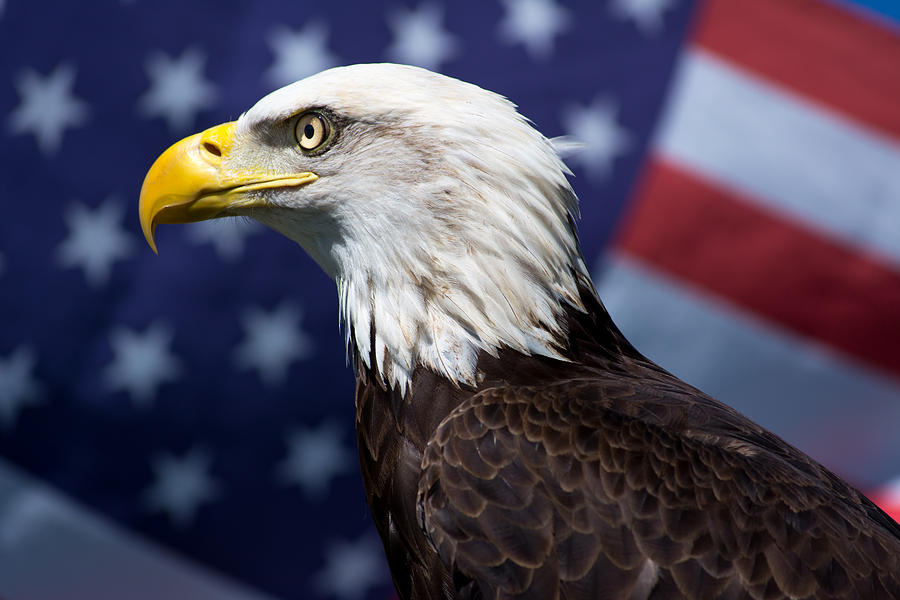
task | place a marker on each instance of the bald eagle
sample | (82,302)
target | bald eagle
(513,443)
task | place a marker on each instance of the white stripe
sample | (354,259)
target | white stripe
(52,549)
(790,155)
(841,414)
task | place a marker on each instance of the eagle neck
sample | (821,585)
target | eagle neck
(394,427)
(404,321)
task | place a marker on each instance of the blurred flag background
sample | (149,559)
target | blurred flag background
(181,426)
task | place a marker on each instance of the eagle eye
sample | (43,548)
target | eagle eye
(312,131)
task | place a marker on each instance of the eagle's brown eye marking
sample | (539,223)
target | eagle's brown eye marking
(313,131)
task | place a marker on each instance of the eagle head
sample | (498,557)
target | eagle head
(444,217)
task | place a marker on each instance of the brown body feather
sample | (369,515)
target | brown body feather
(604,477)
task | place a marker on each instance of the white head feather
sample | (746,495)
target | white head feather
(443,216)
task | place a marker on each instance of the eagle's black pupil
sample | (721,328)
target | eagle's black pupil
(309,131)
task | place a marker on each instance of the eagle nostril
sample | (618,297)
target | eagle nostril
(212,148)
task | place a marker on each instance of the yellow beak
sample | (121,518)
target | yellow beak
(188,183)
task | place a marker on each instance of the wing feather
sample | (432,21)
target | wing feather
(575,490)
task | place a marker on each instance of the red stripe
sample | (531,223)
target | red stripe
(888,502)
(781,271)
(814,48)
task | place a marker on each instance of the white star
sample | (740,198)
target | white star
(96,239)
(603,138)
(299,54)
(272,341)
(178,90)
(181,485)
(534,23)
(351,568)
(647,14)
(18,388)
(419,37)
(315,457)
(226,235)
(141,362)
(47,107)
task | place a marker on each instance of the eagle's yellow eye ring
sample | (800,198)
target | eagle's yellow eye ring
(312,131)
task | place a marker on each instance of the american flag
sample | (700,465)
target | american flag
(180,426)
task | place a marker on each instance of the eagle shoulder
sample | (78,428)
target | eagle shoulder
(597,488)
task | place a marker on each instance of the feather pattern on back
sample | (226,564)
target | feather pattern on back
(605,477)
